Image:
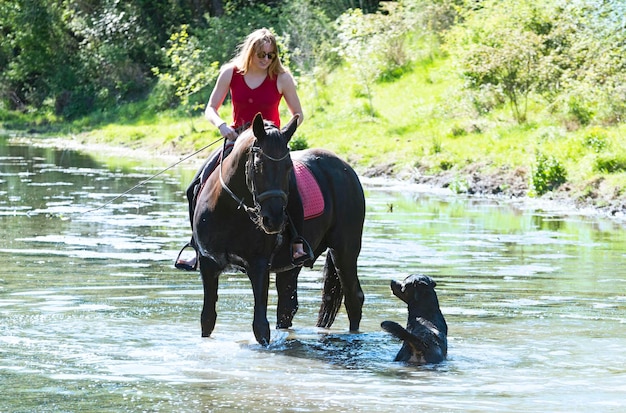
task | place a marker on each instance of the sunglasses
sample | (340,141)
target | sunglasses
(263,55)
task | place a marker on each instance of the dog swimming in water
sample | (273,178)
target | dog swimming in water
(425,336)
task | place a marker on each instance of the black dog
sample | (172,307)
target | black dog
(425,336)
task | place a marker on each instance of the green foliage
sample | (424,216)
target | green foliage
(372,44)
(548,174)
(459,185)
(572,53)
(591,59)
(579,110)
(189,73)
(499,47)
(610,164)
(163,95)
(433,16)
(298,143)
(311,36)
(34,49)
(596,139)
(335,8)
(71,57)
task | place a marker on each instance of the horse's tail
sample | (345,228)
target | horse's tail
(332,294)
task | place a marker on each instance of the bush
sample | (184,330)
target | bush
(579,110)
(596,139)
(191,69)
(500,47)
(548,174)
(610,164)
(298,143)
(163,95)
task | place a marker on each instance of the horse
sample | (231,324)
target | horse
(240,222)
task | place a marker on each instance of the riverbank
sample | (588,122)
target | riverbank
(422,129)
(508,185)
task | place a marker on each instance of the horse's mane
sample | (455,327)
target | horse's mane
(229,165)
(240,150)
(244,141)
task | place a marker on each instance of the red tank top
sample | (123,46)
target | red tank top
(248,102)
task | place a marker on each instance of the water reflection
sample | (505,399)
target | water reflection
(94,317)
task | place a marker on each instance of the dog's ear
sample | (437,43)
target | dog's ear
(427,281)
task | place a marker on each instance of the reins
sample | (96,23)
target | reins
(240,201)
(256,198)
(154,176)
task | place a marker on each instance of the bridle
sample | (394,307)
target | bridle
(254,212)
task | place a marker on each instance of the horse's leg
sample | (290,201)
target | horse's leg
(210,275)
(332,294)
(345,262)
(260,278)
(287,288)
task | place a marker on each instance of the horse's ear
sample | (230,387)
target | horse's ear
(290,128)
(258,127)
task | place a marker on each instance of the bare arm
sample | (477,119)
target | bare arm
(222,85)
(287,86)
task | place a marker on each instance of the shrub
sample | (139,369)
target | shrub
(548,174)
(459,185)
(311,37)
(610,164)
(189,72)
(163,95)
(579,110)
(500,47)
(298,143)
(596,140)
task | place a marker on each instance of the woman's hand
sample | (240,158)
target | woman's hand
(227,132)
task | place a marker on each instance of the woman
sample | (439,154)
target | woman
(257,81)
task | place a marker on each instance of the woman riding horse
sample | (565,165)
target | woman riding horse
(257,82)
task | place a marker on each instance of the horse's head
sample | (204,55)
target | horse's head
(268,171)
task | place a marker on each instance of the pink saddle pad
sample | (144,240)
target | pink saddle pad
(312,199)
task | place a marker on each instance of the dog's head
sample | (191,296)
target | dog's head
(415,288)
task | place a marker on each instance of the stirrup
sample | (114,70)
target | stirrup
(308,252)
(186,265)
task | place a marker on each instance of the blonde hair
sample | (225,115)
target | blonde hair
(252,45)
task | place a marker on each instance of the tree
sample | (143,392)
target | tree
(189,70)
(38,52)
(500,46)
(372,44)
(590,62)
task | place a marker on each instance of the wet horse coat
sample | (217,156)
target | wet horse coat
(240,221)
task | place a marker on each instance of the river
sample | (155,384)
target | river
(95,318)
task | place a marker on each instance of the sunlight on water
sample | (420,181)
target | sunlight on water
(95,318)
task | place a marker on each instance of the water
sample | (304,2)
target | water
(94,317)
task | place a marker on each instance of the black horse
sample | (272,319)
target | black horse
(253,238)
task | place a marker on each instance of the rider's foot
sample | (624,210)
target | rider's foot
(299,255)
(298,251)
(187,264)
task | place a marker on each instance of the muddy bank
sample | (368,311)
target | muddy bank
(473,180)
(592,197)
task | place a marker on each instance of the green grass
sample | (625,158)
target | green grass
(423,119)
